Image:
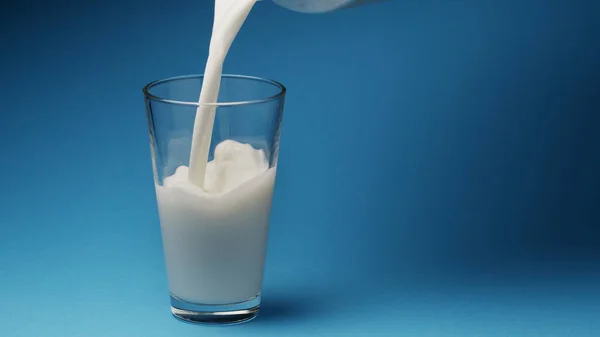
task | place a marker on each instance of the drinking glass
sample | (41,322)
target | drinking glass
(214,244)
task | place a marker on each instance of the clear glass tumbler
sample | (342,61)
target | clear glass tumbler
(214,244)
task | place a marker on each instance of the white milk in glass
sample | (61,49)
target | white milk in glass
(215,215)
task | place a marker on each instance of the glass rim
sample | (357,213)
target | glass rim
(149,86)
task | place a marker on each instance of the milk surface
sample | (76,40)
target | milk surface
(215,216)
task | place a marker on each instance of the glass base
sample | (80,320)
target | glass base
(226,314)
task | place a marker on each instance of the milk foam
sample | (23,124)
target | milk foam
(233,164)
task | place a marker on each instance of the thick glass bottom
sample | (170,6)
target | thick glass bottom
(226,314)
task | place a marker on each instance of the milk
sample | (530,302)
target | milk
(215,216)
(214,241)
(229,17)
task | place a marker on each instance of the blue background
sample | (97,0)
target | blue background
(438,176)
